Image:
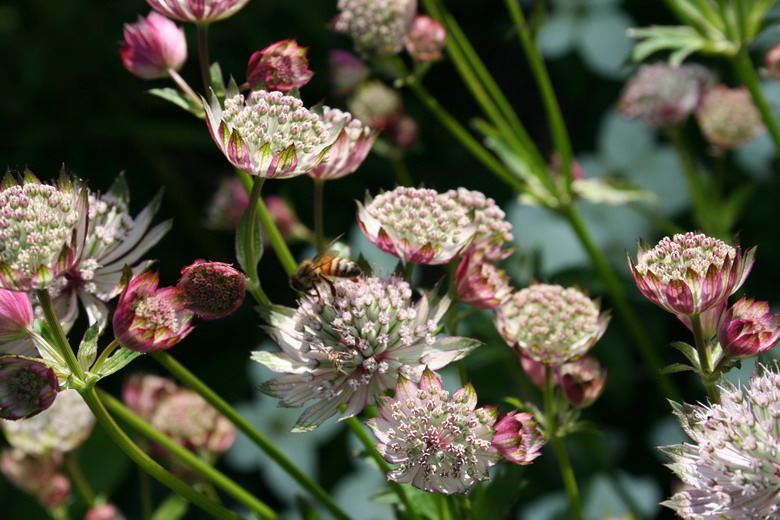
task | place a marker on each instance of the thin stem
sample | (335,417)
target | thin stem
(203,58)
(189,379)
(147,505)
(747,74)
(78,479)
(252,255)
(186,456)
(319,225)
(409,271)
(184,86)
(110,348)
(59,335)
(705,359)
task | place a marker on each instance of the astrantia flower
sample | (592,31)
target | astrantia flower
(661,94)
(38,476)
(417,225)
(517,438)
(212,290)
(551,324)
(42,230)
(16,316)
(63,427)
(479,281)
(728,118)
(490,219)
(689,273)
(350,149)
(152,46)
(281,66)
(375,104)
(350,345)
(268,134)
(148,318)
(27,387)
(582,381)
(377,27)
(748,329)
(425,39)
(440,444)
(198,11)
(731,468)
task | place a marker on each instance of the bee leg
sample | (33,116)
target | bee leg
(331,285)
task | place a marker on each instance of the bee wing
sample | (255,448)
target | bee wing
(326,252)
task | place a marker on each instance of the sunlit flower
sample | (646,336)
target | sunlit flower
(551,324)
(417,225)
(479,281)
(63,427)
(268,134)
(345,71)
(212,290)
(689,273)
(439,444)
(661,94)
(148,318)
(425,39)
(16,316)
(748,329)
(348,345)
(350,149)
(517,438)
(152,46)
(728,118)
(730,468)
(582,381)
(27,387)
(377,27)
(281,66)
(198,11)
(37,475)
(42,230)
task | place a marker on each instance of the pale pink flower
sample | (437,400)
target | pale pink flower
(748,329)
(350,149)
(348,345)
(197,11)
(27,387)
(281,66)
(16,316)
(582,381)
(377,27)
(152,46)
(212,290)
(479,282)
(517,438)
(425,39)
(37,475)
(345,71)
(439,444)
(689,273)
(728,118)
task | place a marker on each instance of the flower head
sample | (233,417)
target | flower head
(425,39)
(490,219)
(747,329)
(38,476)
(345,71)
(148,318)
(375,104)
(551,324)
(27,387)
(351,344)
(689,273)
(440,444)
(661,94)
(517,438)
(478,281)
(152,46)
(281,66)
(350,149)
(16,316)
(582,381)
(212,290)
(268,134)
(417,225)
(42,230)
(197,11)
(377,27)
(62,427)
(730,469)
(728,118)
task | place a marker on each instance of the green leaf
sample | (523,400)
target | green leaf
(88,348)
(173,508)
(242,249)
(117,361)
(495,500)
(426,504)
(674,368)
(689,352)
(180,100)
(217,80)
(680,41)
(614,192)
(44,342)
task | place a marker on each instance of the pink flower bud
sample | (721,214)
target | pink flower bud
(582,381)
(281,66)
(148,318)
(104,512)
(517,438)
(36,475)
(197,11)
(27,387)
(212,290)
(153,45)
(535,370)
(479,282)
(748,329)
(425,39)
(16,316)
(772,62)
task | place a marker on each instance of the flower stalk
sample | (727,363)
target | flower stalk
(709,377)
(203,58)
(747,75)
(319,225)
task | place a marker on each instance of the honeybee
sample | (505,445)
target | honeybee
(320,269)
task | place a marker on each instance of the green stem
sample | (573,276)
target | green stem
(186,456)
(110,348)
(147,504)
(319,214)
(250,246)
(78,479)
(409,271)
(189,379)
(705,359)
(203,58)
(184,86)
(747,74)
(60,338)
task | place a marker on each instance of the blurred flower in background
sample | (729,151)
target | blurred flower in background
(377,27)
(728,118)
(281,66)
(425,39)
(36,475)
(197,11)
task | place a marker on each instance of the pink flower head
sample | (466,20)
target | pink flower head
(748,329)
(104,512)
(42,232)
(551,324)
(37,475)
(350,149)
(152,46)
(517,438)
(281,66)
(478,281)
(197,11)
(268,134)
(148,318)
(16,316)
(728,118)
(772,62)
(377,27)
(212,290)
(582,381)
(440,444)
(425,39)
(349,345)
(27,387)
(417,225)
(345,71)
(689,273)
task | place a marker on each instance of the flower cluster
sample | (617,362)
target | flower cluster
(281,66)
(212,290)
(152,46)
(425,39)
(489,218)
(728,118)
(350,149)
(350,344)
(377,27)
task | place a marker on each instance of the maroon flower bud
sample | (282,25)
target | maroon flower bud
(425,39)
(27,387)
(479,281)
(582,381)
(212,290)
(517,438)
(281,66)
(748,329)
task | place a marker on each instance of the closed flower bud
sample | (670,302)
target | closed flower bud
(728,118)
(212,290)
(36,475)
(517,438)
(281,66)
(478,281)
(228,204)
(197,11)
(748,329)
(152,46)
(27,387)
(16,315)
(582,381)
(425,39)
